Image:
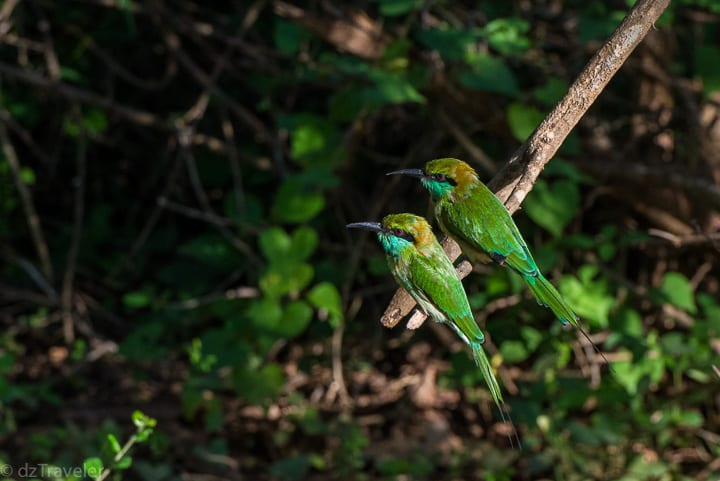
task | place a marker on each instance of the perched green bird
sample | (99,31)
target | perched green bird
(419,264)
(470,213)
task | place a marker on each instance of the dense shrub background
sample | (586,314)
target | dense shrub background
(174,183)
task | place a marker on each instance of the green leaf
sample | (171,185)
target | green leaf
(297,202)
(114,443)
(708,68)
(490,74)
(590,298)
(394,89)
(347,102)
(123,463)
(551,92)
(258,386)
(95,121)
(393,8)
(553,207)
(295,319)
(285,279)
(294,467)
(141,420)
(265,312)
(308,138)
(532,337)
(450,43)
(274,243)
(326,296)
(303,244)
(630,323)
(675,344)
(507,35)
(676,289)
(523,120)
(68,73)
(289,36)
(513,351)
(211,250)
(137,299)
(93,467)
(314,140)
(27,175)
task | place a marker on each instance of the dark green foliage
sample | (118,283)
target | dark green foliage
(189,167)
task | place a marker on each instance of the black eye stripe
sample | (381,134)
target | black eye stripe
(444,178)
(403,235)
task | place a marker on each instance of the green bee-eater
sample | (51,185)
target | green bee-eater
(419,264)
(470,213)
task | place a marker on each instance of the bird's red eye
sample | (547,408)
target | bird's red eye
(440,177)
(398,232)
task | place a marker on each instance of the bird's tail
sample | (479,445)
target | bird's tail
(486,369)
(548,296)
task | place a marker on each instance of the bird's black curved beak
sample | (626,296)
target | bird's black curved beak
(373,226)
(409,172)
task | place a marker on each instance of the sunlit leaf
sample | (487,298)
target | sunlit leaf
(303,244)
(93,467)
(326,296)
(297,202)
(507,35)
(295,319)
(395,89)
(553,207)
(513,351)
(677,290)
(137,299)
(589,296)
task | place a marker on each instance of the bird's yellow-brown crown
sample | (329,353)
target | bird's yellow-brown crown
(409,226)
(451,170)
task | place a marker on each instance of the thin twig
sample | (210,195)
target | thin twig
(202,198)
(234,162)
(136,116)
(520,173)
(476,153)
(28,205)
(78,223)
(151,222)
(172,41)
(5,13)
(192,213)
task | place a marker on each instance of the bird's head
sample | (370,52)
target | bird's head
(443,177)
(399,232)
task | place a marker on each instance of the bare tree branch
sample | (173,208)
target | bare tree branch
(517,178)
(78,225)
(28,205)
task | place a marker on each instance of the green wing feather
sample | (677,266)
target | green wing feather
(480,222)
(433,282)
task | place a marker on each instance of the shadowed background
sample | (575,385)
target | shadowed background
(175,179)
